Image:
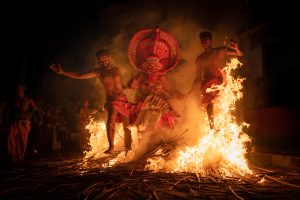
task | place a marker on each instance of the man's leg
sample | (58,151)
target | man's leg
(127,134)
(110,129)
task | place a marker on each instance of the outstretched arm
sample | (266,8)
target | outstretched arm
(58,69)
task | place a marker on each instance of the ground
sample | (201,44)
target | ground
(68,176)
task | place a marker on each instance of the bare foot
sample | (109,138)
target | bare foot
(109,151)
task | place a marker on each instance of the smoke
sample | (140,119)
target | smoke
(118,23)
(184,21)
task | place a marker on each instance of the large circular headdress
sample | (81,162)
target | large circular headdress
(153,42)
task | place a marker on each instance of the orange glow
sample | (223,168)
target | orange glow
(219,152)
(98,143)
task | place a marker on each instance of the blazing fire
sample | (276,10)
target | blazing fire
(97,130)
(98,143)
(220,152)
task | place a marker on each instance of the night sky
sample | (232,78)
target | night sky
(38,33)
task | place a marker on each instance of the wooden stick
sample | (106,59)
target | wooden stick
(282,182)
(235,193)
(155,195)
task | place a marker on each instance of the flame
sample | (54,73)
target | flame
(220,152)
(98,143)
(98,139)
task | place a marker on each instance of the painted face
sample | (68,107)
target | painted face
(103,61)
(152,65)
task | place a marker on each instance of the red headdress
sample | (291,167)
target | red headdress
(152,44)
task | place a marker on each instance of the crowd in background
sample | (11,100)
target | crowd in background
(56,128)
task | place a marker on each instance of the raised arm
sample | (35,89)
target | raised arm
(58,69)
(232,48)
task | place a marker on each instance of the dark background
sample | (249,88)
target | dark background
(40,32)
(37,33)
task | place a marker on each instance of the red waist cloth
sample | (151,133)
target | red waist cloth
(120,104)
(131,111)
(123,107)
(207,97)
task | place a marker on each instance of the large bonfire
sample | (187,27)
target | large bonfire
(220,152)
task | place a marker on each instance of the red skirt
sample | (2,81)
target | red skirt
(208,97)
(18,138)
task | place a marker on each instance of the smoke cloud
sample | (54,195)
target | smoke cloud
(184,21)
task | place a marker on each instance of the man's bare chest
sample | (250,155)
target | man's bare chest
(212,59)
(22,104)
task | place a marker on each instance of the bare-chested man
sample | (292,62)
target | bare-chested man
(20,124)
(115,100)
(208,70)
